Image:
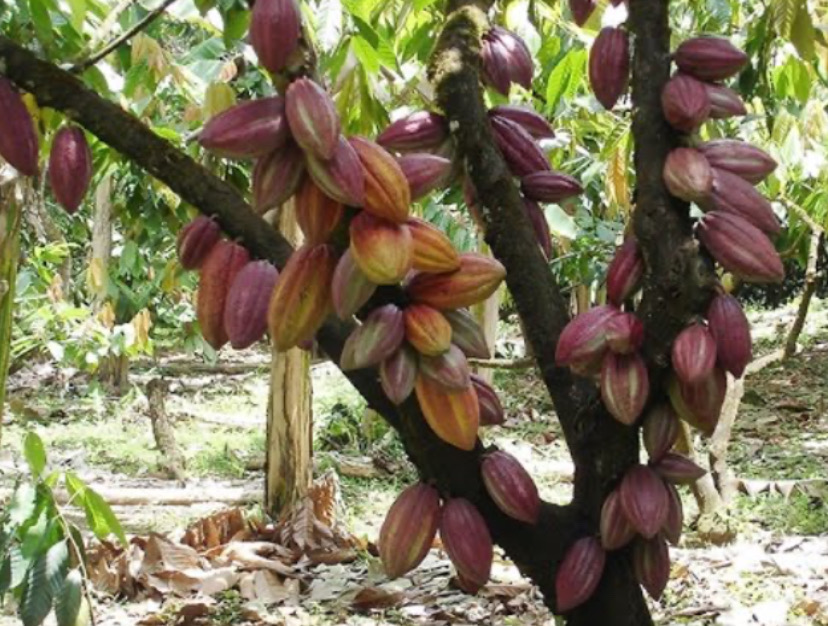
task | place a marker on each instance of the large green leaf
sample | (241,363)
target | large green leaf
(34,452)
(366,54)
(23,504)
(100,517)
(78,9)
(784,15)
(42,22)
(802,33)
(44,580)
(68,600)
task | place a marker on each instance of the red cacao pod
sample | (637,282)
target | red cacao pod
(467,334)
(724,102)
(196,240)
(316,214)
(660,430)
(376,339)
(625,272)
(694,353)
(275,27)
(549,186)
(511,487)
(731,332)
(644,499)
(505,60)
(249,129)
(491,411)
(740,158)
(387,194)
(433,251)
(409,529)
(732,194)
(687,175)
(218,272)
(18,138)
(584,337)
(520,150)
(581,10)
(425,172)
(477,278)
(350,287)
(530,120)
(454,416)
(625,333)
(449,369)
(398,373)
(342,177)
(685,103)
(277,176)
(467,541)
(427,330)
(740,247)
(625,386)
(245,311)
(312,117)
(709,58)
(422,130)
(70,167)
(539,224)
(651,564)
(382,249)
(675,516)
(579,573)
(609,65)
(616,529)
(678,469)
(699,404)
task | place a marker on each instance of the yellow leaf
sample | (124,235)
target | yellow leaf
(106,315)
(618,188)
(96,278)
(217,98)
(141,324)
(169,282)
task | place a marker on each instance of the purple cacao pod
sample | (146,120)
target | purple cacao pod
(312,117)
(342,177)
(511,487)
(699,404)
(740,247)
(625,333)
(409,529)
(350,288)
(277,177)
(425,172)
(375,340)
(398,373)
(685,103)
(467,541)
(467,334)
(694,353)
(675,516)
(245,310)
(584,337)
(196,240)
(625,272)
(732,194)
(530,120)
(491,411)
(450,370)
(709,58)
(520,151)
(579,573)
(740,158)
(660,430)
(609,65)
(249,129)
(70,167)
(678,469)
(687,175)
(18,138)
(724,102)
(549,186)
(731,331)
(539,224)
(625,386)
(581,10)
(616,529)
(506,60)
(644,500)
(275,27)
(651,564)
(422,130)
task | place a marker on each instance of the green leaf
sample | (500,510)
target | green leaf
(35,453)
(784,15)
(235,26)
(802,33)
(43,581)
(68,600)
(78,8)
(42,22)
(23,504)
(5,575)
(100,517)
(18,566)
(366,54)
(76,488)
(565,79)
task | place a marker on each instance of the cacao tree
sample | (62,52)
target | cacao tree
(385,294)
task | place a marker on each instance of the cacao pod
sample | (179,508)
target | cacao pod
(584,337)
(549,186)
(379,336)
(699,404)
(731,332)
(616,530)
(581,10)
(422,130)
(579,573)
(625,272)
(660,430)
(425,172)
(491,411)
(245,310)
(740,158)
(651,564)
(688,175)
(685,103)
(70,167)
(275,27)
(539,224)
(505,60)
(678,469)
(694,353)
(625,386)
(302,297)
(312,117)
(449,369)
(218,272)
(454,416)
(477,278)
(316,214)
(433,251)
(724,102)
(427,330)
(409,529)
(382,249)
(18,138)
(277,176)
(675,516)
(342,177)
(644,500)
(196,240)
(467,541)
(397,374)
(248,129)
(740,247)
(350,287)
(709,58)
(609,65)
(387,194)
(732,194)
(511,487)
(467,335)
(527,118)
(520,150)
(624,333)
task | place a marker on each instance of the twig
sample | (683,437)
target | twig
(127,34)
(504,364)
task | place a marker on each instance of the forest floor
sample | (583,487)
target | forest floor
(774,572)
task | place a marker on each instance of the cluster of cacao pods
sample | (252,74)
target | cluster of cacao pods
(412,522)
(70,159)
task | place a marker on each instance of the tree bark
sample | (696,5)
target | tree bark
(811,276)
(289,469)
(171,459)
(98,278)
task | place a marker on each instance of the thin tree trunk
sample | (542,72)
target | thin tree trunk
(486,314)
(724,479)
(704,489)
(811,276)
(289,419)
(162,430)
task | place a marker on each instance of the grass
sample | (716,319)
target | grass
(798,515)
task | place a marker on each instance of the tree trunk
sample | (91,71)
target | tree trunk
(171,460)
(289,419)
(811,276)
(11,209)
(486,314)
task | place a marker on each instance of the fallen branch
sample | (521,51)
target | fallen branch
(504,364)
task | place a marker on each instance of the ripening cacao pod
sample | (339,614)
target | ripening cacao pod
(678,469)
(491,411)
(685,103)
(316,214)
(694,353)
(609,65)
(740,247)
(644,500)
(245,310)
(477,278)
(467,541)
(454,416)
(494,59)
(248,129)
(376,339)
(687,175)
(700,404)
(312,117)
(275,26)
(651,564)
(433,251)
(549,186)
(625,272)
(418,131)
(18,138)
(539,224)
(70,167)
(731,332)
(398,373)
(382,249)
(425,172)
(196,240)
(510,486)
(277,176)
(302,297)
(584,338)
(427,330)
(709,58)
(740,158)
(660,430)
(505,60)
(449,369)
(467,334)
(342,177)
(387,194)
(724,102)
(218,272)
(409,529)
(520,150)
(625,386)
(675,516)
(579,573)
(616,529)
(581,10)
(530,120)
(350,287)
(624,333)
(733,194)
